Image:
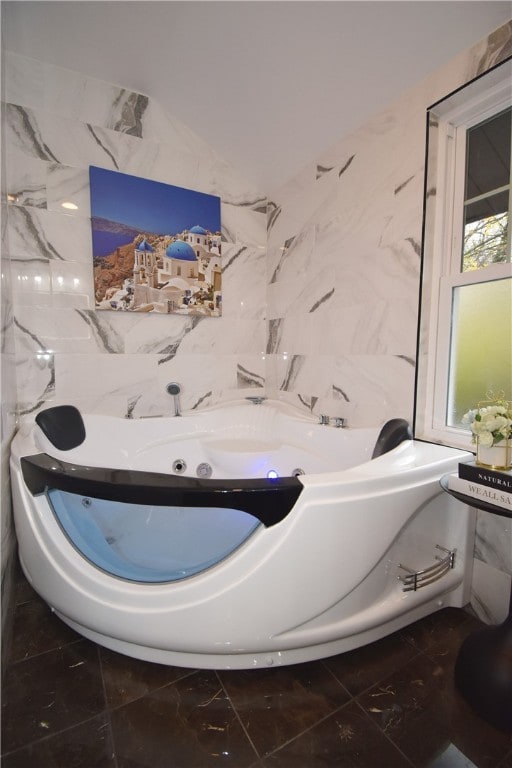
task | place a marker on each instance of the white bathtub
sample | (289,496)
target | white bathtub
(297,546)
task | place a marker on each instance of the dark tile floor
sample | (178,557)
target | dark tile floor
(68,703)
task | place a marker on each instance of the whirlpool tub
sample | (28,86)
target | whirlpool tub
(242,536)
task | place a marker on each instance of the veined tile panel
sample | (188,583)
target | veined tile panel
(58,123)
(7,429)
(344,256)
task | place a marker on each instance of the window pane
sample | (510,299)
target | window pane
(481,345)
(488,156)
(485,232)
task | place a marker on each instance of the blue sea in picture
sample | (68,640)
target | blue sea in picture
(105,243)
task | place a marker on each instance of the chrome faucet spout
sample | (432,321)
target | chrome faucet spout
(174,389)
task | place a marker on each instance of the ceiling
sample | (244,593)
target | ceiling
(268,84)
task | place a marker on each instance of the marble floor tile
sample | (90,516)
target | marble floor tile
(68,703)
(128,679)
(37,631)
(345,739)
(188,724)
(49,692)
(275,705)
(88,745)
(420,711)
(441,633)
(363,667)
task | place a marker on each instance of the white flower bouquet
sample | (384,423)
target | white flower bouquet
(490,424)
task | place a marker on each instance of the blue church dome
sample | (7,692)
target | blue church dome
(180,250)
(145,246)
(197,230)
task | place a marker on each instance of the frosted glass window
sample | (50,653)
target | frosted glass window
(481,345)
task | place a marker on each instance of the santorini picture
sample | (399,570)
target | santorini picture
(156,247)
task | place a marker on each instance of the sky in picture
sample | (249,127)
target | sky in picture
(150,206)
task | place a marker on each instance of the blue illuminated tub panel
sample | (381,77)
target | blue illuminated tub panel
(150,527)
(148,543)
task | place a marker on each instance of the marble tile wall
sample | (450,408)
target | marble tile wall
(7,426)
(58,123)
(344,248)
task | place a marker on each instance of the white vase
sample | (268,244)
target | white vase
(497,456)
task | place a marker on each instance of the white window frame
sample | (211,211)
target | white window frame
(482,99)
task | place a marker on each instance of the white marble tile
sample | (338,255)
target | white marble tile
(33,132)
(7,347)
(297,336)
(375,328)
(367,272)
(68,185)
(103,383)
(251,373)
(24,80)
(493,544)
(7,359)
(75,96)
(56,330)
(46,235)
(127,112)
(243,282)
(68,329)
(35,375)
(202,377)
(309,375)
(25,180)
(378,387)
(490,593)
(35,330)
(167,129)
(31,283)
(293,297)
(108,329)
(490,51)
(293,258)
(89,100)
(218,336)
(221,178)
(294,202)
(325,198)
(50,137)
(168,163)
(72,284)
(340,156)
(240,224)
(154,334)
(37,84)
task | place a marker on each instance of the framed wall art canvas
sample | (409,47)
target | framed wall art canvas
(156,247)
